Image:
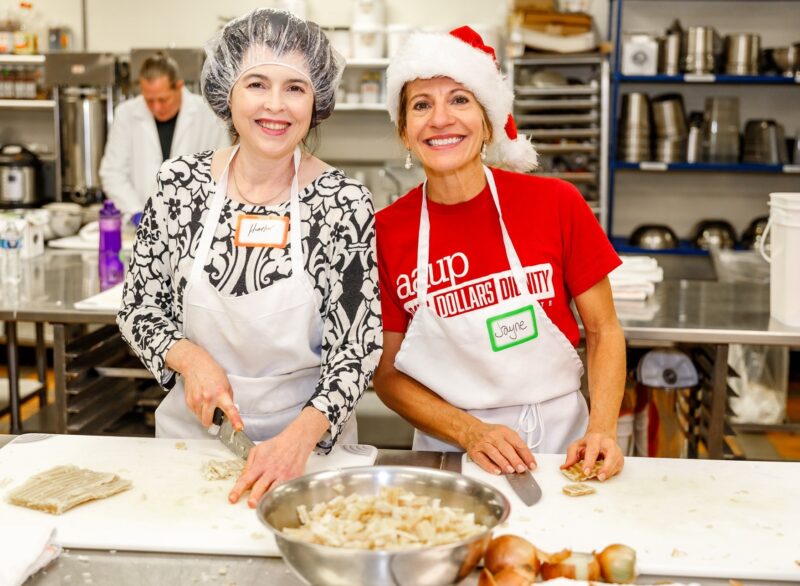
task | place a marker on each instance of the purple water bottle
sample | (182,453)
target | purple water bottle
(109,263)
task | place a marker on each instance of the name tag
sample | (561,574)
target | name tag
(512,328)
(271,231)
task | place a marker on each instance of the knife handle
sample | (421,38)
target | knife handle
(216,419)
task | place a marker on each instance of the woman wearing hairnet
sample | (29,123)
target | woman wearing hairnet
(253,277)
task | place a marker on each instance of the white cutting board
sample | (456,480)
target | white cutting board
(171,507)
(698,518)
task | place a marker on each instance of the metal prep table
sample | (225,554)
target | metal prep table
(139,569)
(704,314)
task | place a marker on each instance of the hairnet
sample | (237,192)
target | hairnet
(268,36)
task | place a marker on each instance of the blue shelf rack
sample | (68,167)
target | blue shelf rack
(618,78)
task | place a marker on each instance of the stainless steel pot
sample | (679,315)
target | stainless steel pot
(741,53)
(764,142)
(83,137)
(700,47)
(19,171)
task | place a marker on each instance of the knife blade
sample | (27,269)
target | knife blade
(525,487)
(236,441)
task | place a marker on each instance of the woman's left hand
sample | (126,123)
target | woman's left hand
(596,446)
(270,463)
(280,458)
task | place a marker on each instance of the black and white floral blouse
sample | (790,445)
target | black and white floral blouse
(339,253)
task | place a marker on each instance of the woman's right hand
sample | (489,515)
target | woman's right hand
(497,449)
(206,385)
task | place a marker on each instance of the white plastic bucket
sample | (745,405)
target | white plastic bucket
(784,257)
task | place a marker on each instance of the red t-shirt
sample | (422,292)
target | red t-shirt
(558,240)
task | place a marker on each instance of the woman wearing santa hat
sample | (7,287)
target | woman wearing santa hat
(478,267)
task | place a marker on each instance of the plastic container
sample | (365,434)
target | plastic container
(784,257)
(341,40)
(368,41)
(371,87)
(369,13)
(110,267)
(10,248)
(396,35)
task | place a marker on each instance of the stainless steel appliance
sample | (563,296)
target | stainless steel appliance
(19,176)
(84,84)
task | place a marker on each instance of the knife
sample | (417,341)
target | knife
(523,484)
(236,441)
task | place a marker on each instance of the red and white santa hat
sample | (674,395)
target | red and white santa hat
(462,56)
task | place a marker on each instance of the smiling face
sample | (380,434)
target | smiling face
(272,107)
(444,125)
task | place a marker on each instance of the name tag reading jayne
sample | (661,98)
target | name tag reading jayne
(271,231)
(512,328)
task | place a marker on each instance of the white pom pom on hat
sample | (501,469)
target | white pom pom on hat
(462,56)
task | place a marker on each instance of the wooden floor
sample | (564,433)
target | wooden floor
(783,444)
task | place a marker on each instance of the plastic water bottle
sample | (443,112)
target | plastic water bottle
(10,244)
(110,266)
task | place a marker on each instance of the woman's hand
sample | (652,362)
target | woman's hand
(497,449)
(280,458)
(206,384)
(596,446)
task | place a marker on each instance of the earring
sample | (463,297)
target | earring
(409,163)
(483,152)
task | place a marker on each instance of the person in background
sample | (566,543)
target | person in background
(478,268)
(253,286)
(164,121)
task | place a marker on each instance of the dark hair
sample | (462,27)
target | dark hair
(159,65)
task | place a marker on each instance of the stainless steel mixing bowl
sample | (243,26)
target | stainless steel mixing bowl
(332,566)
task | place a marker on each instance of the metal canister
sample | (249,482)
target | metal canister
(699,49)
(741,53)
(669,54)
(83,137)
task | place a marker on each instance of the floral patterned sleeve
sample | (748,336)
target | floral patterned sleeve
(352,336)
(147,319)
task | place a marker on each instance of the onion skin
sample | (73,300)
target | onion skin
(486,578)
(618,564)
(576,566)
(509,551)
(515,576)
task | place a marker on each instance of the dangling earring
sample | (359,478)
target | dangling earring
(483,152)
(409,163)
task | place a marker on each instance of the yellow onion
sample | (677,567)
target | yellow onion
(515,576)
(571,564)
(486,578)
(509,551)
(618,564)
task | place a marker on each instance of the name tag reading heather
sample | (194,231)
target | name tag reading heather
(271,231)
(512,328)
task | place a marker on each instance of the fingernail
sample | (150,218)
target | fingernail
(601,477)
(497,471)
(532,466)
(520,468)
(510,470)
(587,471)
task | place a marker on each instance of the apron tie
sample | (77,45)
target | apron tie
(530,419)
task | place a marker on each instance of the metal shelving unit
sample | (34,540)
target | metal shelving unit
(568,123)
(618,79)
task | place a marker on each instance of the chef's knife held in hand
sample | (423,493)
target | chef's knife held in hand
(236,441)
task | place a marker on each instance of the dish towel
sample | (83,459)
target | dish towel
(108,300)
(635,279)
(24,550)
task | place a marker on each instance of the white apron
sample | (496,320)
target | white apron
(268,342)
(504,364)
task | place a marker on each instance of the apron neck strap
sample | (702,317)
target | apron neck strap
(423,245)
(218,200)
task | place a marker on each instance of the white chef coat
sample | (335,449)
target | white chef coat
(133,152)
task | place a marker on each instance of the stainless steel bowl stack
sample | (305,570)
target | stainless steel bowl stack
(654,237)
(742,51)
(634,129)
(787,59)
(700,46)
(669,119)
(764,142)
(721,130)
(323,565)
